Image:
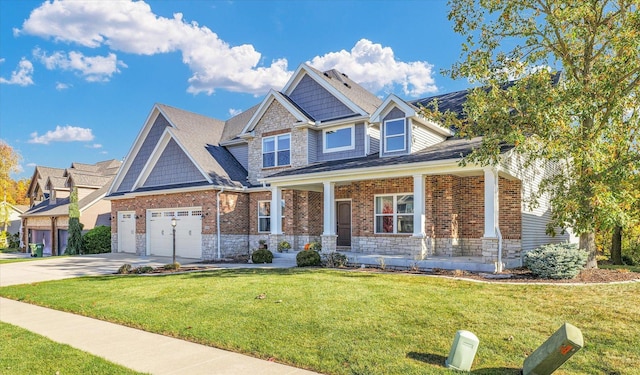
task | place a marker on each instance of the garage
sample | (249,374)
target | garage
(188,232)
(126,232)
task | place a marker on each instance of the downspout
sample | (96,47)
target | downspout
(218,219)
(499,264)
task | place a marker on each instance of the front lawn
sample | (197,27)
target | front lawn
(341,322)
(23,352)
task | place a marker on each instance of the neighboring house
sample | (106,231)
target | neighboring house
(13,212)
(321,160)
(47,219)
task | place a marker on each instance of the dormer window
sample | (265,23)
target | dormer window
(395,135)
(338,139)
(276,151)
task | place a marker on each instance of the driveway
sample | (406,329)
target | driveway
(56,268)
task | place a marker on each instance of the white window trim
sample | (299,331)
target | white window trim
(276,150)
(395,213)
(337,149)
(405,135)
(268,216)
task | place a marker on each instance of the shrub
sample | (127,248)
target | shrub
(97,240)
(172,266)
(124,269)
(334,260)
(142,269)
(283,246)
(556,261)
(262,256)
(14,241)
(308,259)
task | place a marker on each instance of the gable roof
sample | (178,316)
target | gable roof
(195,135)
(272,96)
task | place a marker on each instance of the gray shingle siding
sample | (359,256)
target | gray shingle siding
(374,140)
(173,167)
(392,115)
(317,101)
(312,147)
(143,154)
(241,153)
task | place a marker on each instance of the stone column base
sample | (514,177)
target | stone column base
(489,250)
(329,243)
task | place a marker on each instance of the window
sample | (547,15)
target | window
(339,139)
(264,216)
(394,213)
(275,151)
(394,135)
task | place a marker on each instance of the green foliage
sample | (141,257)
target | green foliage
(308,258)
(586,125)
(97,240)
(14,240)
(262,256)
(4,239)
(334,260)
(124,269)
(74,243)
(284,246)
(172,266)
(142,269)
(556,261)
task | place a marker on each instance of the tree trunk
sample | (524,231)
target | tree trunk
(616,246)
(588,243)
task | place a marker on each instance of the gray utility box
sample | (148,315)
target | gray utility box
(463,351)
(564,343)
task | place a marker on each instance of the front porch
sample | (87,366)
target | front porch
(429,263)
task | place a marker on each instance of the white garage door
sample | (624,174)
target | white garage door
(126,232)
(188,232)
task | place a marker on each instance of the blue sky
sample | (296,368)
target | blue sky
(78,79)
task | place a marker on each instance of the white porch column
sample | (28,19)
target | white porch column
(491,213)
(276,210)
(329,209)
(418,206)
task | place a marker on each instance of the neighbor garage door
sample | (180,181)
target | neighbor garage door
(188,232)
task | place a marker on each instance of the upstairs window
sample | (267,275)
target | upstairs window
(394,213)
(339,139)
(395,137)
(276,151)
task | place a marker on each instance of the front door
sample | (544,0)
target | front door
(344,223)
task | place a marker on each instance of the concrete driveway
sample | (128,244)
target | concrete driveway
(56,268)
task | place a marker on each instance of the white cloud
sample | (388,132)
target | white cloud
(375,68)
(22,76)
(93,69)
(62,86)
(95,145)
(31,165)
(132,27)
(63,134)
(234,112)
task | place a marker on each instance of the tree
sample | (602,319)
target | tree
(586,120)
(9,163)
(74,244)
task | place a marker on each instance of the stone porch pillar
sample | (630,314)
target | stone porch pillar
(329,236)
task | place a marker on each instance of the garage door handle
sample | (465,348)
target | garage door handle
(189,232)
(162,232)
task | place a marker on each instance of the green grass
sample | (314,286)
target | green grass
(23,352)
(339,322)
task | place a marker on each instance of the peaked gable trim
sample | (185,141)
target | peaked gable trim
(303,70)
(167,135)
(410,111)
(266,102)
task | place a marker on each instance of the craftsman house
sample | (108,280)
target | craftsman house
(47,219)
(321,160)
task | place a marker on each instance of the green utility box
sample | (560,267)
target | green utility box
(463,351)
(36,249)
(564,343)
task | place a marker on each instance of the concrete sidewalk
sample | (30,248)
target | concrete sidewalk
(138,350)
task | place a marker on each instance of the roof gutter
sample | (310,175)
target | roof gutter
(132,194)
